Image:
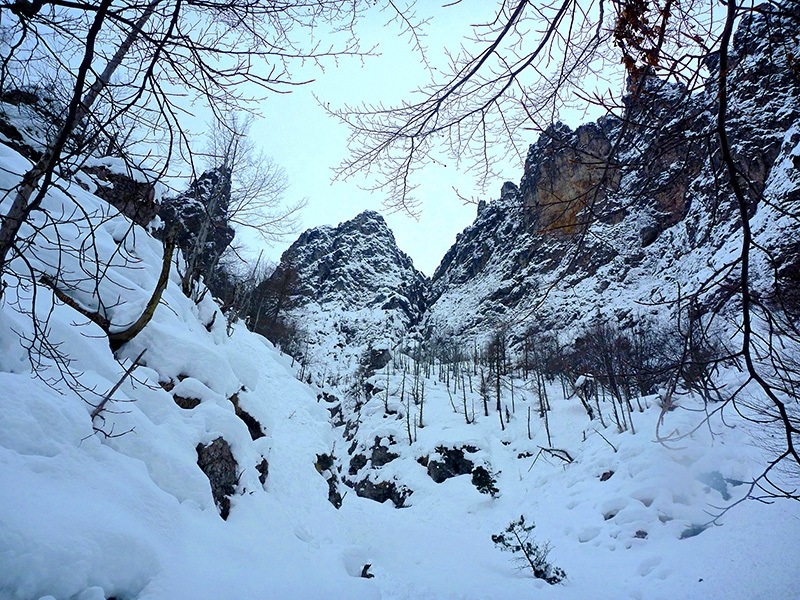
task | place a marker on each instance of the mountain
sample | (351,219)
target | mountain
(626,219)
(350,289)
(423,423)
(616,260)
(590,232)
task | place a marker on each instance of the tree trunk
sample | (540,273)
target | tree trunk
(117,339)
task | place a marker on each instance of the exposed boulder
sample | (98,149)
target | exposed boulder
(253,426)
(263,471)
(357,462)
(217,462)
(379,358)
(186,402)
(451,463)
(134,199)
(381,454)
(325,465)
(382,491)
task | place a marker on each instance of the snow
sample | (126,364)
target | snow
(83,516)
(126,512)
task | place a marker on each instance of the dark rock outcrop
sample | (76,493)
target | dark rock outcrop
(134,199)
(198,218)
(263,471)
(357,462)
(253,426)
(450,462)
(326,466)
(382,491)
(381,455)
(217,462)
(186,402)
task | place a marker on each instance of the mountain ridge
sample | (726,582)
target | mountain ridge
(601,207)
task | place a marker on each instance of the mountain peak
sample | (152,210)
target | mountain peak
(351,284)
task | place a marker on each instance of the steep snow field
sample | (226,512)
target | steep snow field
(129,514)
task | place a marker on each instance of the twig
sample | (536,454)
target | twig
(127,372)
(606,439)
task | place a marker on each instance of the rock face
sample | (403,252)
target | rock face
(357,262)
(217,462)
(568,174)
(614,216)
(615,222)
(199,219)
(351,290)
(134,199)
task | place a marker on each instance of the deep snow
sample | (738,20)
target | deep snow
(87,516)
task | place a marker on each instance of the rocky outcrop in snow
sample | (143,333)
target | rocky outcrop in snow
(351,290)
(199,220)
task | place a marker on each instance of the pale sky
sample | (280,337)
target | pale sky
(308,144)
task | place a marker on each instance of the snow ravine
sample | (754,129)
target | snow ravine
(130,515)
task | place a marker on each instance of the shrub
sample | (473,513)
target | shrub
(483,480)
(516,538)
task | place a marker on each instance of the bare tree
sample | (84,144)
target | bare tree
(152,55)
(528,61)
(126,72)
(258,184)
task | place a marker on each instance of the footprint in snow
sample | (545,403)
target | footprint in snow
(648,565)
(305,535)
(588,534)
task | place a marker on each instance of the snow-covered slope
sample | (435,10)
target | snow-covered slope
(130,514)
(117,505)
(627,517)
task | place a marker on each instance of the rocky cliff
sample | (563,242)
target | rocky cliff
(615,220)
(350,290)
(623,214)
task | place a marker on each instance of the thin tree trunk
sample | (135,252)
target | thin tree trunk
(117,339)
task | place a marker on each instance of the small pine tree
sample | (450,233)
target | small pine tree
(483,480)
(516,538)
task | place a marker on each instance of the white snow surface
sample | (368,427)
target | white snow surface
(88,516)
